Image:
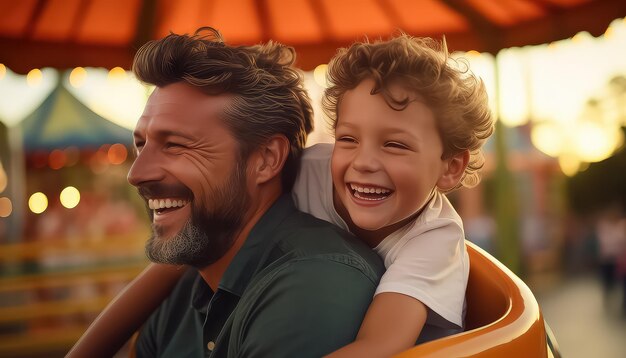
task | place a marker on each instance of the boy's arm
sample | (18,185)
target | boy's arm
(392,324)
(127,312)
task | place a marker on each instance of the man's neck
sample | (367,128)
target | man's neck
(213,273)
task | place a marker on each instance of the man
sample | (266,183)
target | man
(218,147)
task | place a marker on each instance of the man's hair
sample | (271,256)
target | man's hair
(456,97)
(269,96)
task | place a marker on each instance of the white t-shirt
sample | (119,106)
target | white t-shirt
(426,259)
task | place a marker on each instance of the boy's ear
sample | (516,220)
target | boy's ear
(271,158)
(453,170)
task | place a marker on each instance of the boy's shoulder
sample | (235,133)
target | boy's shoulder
(318,151)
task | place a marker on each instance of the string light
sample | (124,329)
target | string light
(34,77)
(38,203)
(77,77)
(116,74)
(6,207)
(3,179)
(319,74)
(70,197)
(117,154)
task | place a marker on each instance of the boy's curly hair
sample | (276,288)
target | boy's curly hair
(269,96)
(457,98)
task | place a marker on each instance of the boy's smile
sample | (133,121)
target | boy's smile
(386,162)
(371,193)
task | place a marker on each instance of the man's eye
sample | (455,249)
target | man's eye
(169,145)
(397,145)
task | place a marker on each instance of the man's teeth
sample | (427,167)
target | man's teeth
(155,204)
(366,190)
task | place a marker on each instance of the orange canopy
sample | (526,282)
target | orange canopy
(106,33)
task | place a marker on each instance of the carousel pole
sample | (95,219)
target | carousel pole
(505,202)
(17,182)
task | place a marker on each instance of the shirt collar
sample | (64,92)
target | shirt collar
(246,261)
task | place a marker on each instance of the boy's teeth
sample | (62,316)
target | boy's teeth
(156,204)
(368,190)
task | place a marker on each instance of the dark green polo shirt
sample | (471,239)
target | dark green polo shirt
(298,287)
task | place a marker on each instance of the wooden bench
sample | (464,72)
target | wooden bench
(44,307)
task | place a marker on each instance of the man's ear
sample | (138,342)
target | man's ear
(453,171)
(271,158)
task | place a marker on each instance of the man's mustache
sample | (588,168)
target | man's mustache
(161,190)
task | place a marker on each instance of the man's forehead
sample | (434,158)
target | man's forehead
(180,93)
(182,103)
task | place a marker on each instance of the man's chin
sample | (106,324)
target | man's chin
(159,235)
(189,246)
(161,247)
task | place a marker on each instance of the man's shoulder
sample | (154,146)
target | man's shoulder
(311,294)
(302,237)
(313,235)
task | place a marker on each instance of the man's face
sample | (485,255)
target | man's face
(189,172)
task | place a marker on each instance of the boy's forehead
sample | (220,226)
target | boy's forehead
(400,88)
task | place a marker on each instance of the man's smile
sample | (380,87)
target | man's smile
(169,212)
(166,204)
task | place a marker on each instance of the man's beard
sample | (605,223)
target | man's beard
(207,235)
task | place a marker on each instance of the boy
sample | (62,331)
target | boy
(409,127)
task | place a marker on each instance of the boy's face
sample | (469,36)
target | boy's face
(386,163)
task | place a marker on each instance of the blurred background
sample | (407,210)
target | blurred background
(550,205)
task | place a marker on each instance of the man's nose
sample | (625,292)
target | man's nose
(366,159)
(145,168)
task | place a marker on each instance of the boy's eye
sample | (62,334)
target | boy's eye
(346,139)
(396,145)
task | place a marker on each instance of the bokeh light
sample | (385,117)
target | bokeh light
(70,197)
(6,207)
(548,138)
(117,154)
(57,159)
(77,77)
(3,70)
(38,202)
(99,161)
(72,155)
(3,179)
(570,165)
(40,159)
(116,74)
(319,74)
(34,77)
(595,142)
(513,97)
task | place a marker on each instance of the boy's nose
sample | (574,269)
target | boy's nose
(366,160)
